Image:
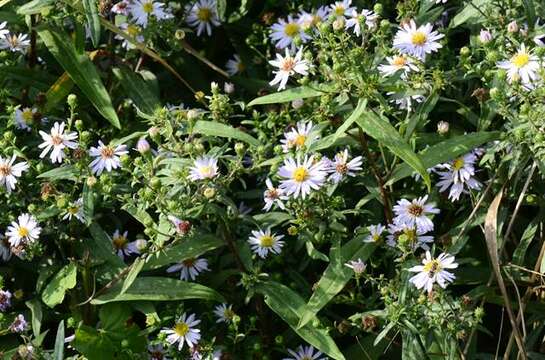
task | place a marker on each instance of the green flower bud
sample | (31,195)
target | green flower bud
(292,230)
(378,9)
(464,51)
(155,183)
(495,93)
(240,149)
(72,101)
(79,125)
(179,34)
(9,136)
(209,192)
(62,202)
(91,181)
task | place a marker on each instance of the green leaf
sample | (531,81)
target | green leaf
(136,267)
(101,248)
(289,306)
(335,277)
(159,289)
(64,280)
(137,89)
(93,21)
(94,344)
(297,93)
(58,354)
(445,151)
(35,7)
(189,248)
(67,172)
(272,218)
(58,91)
(88,197)
(471,13)
(139,214)
(379,128)
(212,128)
(36,309)
(530,12)
(81,71)
(526,239)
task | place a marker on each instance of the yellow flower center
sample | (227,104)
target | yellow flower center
(300,174)
(181,329)
(339,10)
(73,210)
(206,171)
(240,67)
(228,313)
(107,152)
(266,241)
(399,61)
(520,60)
(291,29)
(341,168)
(458,164)
(147,7)
(133,30)
(287,64)
(119,242)
(432,267)
(300,140)
(23,231)
(27,115)
(204,14)
(5,170)
(419,38)
(56,139)
(415,210)
(376,237)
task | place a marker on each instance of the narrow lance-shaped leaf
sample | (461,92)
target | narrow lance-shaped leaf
(212,128)
(58,353)
(81,71)
(302,92)
(93,21)
(137,89)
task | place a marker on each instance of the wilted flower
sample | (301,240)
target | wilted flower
(5,300)
(19,324)
(358,266)
(485,36)
(182,226)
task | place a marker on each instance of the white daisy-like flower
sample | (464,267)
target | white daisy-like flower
(284,33)
(356,20)
(341,8)
(297,136)
(301,176)
(121,8)
(24,118)
(190,268)
(357,265)
(288,66)
(312,20)
(202,15)
(433,271)
(56,141)
(406,102)
(9,172)
(234,66)
(106,157)
(15,43)
(157,352)
(397,63)
(24,230)
(265,242)
(458,174)
(142,10)
(134,31)
(522,66)
(184,331)
(340,167)
(75,209)
(305,353)
(407,237)
(417,41)
(273,196)
(123,248)
(3,29)
(375,233)
(224,313)
(440,1)
(414,213)
(203,168)
(5,252)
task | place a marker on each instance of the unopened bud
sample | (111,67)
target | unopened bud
(442,127)
(142,146)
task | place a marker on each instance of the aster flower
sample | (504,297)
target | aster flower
(121,8)
(407,237)
(15,43)
(406,102)
(298,136)
(189,268)
(375,233)
(396,63)
(182,226)
(458,175)
(157,352)
(106,157)
(224,313)
(204,167)
(341,167)
(24,118)
(184,331)
(417,41)
(341,9)
(234,66)
(358,266)
(522,66)
(202,15)
(312,20)
(300,177)
(273,196)
(284,33)
(134,31)
(305,353)
(263,242)
(5,300)
(75,209)
(288,66)
(56,141)
(24,230)
(356,19)
(142,10)
(123,248)
(414,213)
(3,30)
(19,324)
(5,251)
(9,172)
(433,271)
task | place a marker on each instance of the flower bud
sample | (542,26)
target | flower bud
(209,192)
(494,93)
(91,181)
(485,36)
(192,114)
(297,104)
(240,149)
(142,146)
(179,34)
(464,51)
(338,24)
(72,100)
(442,127)
(377,8)
(79,124)
(292,230)
(229,88)
(512,27)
